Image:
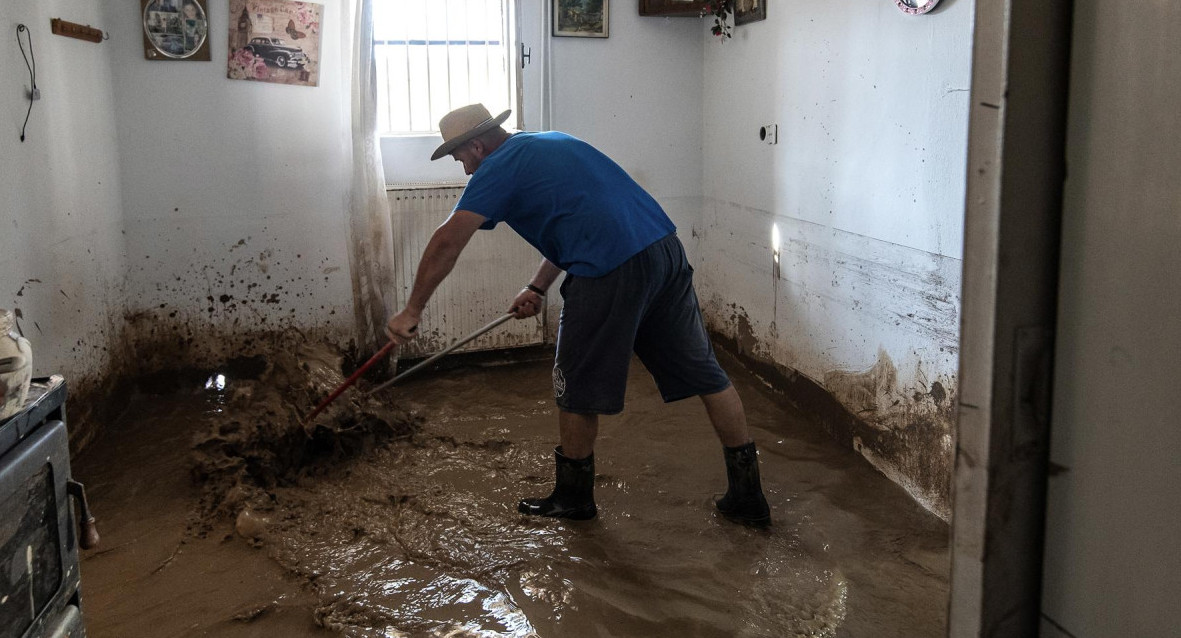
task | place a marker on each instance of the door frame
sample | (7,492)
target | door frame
(1013,211)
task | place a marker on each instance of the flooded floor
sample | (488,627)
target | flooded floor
(413,530)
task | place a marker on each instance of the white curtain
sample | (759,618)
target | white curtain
(371,252)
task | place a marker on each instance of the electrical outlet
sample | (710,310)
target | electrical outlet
(35,94)
(769,133)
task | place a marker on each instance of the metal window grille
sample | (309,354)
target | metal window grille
(436,55)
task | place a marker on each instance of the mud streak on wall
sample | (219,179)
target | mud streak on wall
(860,332)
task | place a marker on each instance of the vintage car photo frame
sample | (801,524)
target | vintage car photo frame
(275,41)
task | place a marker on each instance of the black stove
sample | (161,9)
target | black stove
(39,540)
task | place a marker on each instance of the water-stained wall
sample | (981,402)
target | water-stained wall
(61,247)
(235,196)
(832,258)
(159,214)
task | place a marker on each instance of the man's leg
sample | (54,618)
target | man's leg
(744,501)
(578,433)
(574,471)
(727,416)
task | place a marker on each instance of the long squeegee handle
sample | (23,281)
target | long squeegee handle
(442,353)
(352,379)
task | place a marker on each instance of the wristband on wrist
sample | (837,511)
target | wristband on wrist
(535,289)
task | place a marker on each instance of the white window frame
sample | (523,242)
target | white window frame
(406,157)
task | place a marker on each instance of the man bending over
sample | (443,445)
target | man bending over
(628,288)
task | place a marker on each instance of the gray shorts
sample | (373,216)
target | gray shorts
(648,306)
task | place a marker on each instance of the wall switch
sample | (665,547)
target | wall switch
(769,133)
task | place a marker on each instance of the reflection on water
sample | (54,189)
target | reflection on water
(216,382)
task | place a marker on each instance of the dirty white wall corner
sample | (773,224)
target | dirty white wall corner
(61,245)
(159,211)
(865,189)
(234,192)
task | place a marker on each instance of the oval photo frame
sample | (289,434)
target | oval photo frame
(175,30)
(916,7)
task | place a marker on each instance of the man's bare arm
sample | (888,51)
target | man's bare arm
(547,272)
(438,259)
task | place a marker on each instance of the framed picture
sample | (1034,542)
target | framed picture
(749,11)
(671,8)
(175,29)
(275,41)
(581,18)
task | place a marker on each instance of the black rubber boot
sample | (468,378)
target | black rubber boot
(744,501)
(574,490)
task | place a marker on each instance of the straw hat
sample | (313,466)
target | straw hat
(465,123)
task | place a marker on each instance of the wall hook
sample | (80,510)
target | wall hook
(74,30)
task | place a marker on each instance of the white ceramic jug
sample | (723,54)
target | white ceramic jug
(16,366)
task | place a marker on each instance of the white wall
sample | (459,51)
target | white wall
(1111,562)
(866,187)
(61,248)
(233,190)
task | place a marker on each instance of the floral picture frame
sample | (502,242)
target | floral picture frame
(276,41)
(581,18)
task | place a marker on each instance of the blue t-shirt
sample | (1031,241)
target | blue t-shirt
(578,208)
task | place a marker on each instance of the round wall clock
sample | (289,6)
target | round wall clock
(915,7)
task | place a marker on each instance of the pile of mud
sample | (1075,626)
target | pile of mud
(257,438)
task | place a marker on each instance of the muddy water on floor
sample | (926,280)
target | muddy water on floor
(412,530)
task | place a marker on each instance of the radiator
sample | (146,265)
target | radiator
(492,269)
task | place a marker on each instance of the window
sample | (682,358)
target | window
(436,55)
